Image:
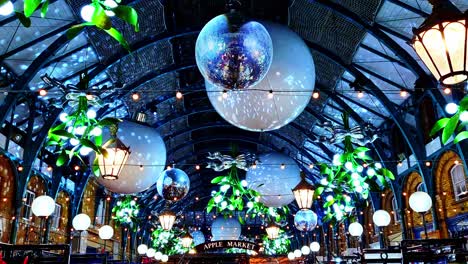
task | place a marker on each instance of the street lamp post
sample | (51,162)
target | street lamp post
(381,219)
(421,203)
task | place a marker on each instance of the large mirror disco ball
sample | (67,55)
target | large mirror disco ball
(225,229)
(173,184)
(198,238)
(305,220)
(291,78)
(232,53)
(272,182)
(147,149)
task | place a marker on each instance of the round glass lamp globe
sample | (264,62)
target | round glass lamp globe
(106,232)
(142,249)
(315,246)
(7,9)
(355,229)
(305,250)
(158,255)
(43,206)
(297,253)
(81,222)
(150,252)
(420,202)
(291,256)
(381,218)
(305,220)
(164,258)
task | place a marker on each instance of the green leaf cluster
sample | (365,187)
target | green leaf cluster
(233,197)
(125,212)
(81,129)
(168,242)
(279,246)
(352,176)
(100,18)
(453,126)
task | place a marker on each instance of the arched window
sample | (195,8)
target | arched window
(459,182)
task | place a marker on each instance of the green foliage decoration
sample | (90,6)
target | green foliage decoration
(234,196)
(454,125)
(100,18)
(78,133)
(278,246)
(168,242)
(125,212)
(351,177)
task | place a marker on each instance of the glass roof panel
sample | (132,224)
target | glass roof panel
(398,18)
(20,61)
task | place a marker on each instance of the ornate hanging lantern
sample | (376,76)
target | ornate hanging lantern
(304,193)
(441,43)
(187,240)
(167,219)
(272,231)
(111,164)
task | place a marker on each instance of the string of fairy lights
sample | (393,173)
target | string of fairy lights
(179,94)
(198,166)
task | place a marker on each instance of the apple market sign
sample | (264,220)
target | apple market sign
(224,244)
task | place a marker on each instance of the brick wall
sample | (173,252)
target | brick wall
(29,231)
(7,197)
(446,204)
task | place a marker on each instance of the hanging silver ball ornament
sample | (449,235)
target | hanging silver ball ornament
(305,220)
(173,184)
(233,53)
(280,97)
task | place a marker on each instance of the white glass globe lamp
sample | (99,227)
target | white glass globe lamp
(142,249)
(355,229)
(81,222)
(106,232)
(43,206)
(420,202)
(314,246)
(381,218)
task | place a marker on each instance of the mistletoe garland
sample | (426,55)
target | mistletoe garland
(168,242)
(233,195)
(126,212)
(100,18)
(80,132)
(455,124)
(278,246)
(353,175)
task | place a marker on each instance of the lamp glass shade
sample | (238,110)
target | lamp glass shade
(304,193)
(158,255)
(305,250)
(297,253)
(291,256)
(111,164)
(187,240)
(381,218)
(150,252)
(272,231)
(420,202)
(355,229)
(164,258)
(441,43)
(142,249)
(315,246)
(106,232)
(43,206)
(167,219)
(81,222)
